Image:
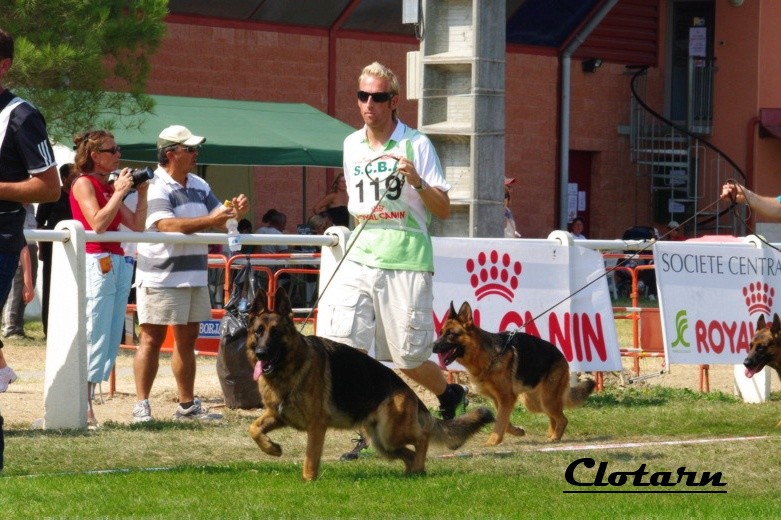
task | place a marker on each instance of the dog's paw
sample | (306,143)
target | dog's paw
(270,448)
(494,440)
(516,430)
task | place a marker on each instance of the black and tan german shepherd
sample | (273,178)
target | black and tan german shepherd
(765,348)
(505,365)
(312,384)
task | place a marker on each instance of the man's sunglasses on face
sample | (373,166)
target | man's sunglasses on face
(377,97)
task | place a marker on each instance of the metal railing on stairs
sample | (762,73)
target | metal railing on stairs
(686,171)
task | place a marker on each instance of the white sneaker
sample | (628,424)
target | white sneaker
(142,412)
(7,376)
(195,411)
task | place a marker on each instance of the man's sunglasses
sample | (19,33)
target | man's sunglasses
(377,97)
(189,149)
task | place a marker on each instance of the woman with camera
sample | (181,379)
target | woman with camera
(97,201)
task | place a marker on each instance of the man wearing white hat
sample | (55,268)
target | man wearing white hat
(172,278)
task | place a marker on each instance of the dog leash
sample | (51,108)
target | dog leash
(619,265)
(745,221)
(354,236)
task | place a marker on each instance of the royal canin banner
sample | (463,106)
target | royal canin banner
(711,296)
(512,284)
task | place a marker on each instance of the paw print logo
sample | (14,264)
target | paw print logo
(759,298)
(492,274)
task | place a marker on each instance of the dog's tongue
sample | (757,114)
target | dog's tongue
(258,370)
(750,373)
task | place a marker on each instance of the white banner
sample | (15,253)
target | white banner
(711,296)
(509,283)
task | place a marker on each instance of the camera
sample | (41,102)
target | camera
(140,175)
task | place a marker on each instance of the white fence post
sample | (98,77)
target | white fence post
(65,374)
(331,256)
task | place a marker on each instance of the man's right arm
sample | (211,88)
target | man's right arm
(43,187)
(768,207)
(216,219)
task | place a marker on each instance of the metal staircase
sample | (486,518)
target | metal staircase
(686,171)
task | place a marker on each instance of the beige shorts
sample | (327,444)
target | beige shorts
(173,305)
(387,308)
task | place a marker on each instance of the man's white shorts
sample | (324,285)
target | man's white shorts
(390,308)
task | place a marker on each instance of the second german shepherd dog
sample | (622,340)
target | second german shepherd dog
(311,384)
(505,365)
(765,348)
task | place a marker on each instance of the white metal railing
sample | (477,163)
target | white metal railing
(65,372)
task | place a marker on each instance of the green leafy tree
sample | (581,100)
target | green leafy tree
(84,63)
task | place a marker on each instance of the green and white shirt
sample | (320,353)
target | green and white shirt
(396,234)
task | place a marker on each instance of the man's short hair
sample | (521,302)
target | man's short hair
(378,70)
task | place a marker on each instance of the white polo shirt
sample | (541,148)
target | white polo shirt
(174,265)
(396,233)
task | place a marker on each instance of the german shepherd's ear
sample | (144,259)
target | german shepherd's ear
(465,314)
(282,305)
(259,303)
(776,327)
(451,312)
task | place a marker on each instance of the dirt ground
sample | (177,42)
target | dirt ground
(22,404)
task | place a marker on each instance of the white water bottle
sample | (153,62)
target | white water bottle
(234,237)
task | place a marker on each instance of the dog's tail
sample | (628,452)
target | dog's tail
(578,393)
(455,432)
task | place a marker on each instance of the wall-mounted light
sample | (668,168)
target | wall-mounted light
(735,3)
(591,64)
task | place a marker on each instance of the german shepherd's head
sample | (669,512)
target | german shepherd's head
(457,331)
(765,347)
(270,332)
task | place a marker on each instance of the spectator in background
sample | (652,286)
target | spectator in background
(576,227)
(277,222)
(47,216)
(97,201)
(510,230)
(245,227)
(172,278)
(23,284)
(319,223)
(674,232)
(335,203)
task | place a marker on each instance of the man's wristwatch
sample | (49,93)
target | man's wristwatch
(423,186)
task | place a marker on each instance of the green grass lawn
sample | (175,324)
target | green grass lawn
(165,469)
(170,470)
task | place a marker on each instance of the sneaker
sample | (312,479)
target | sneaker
(195,411)
(458,404)
(7,376)
(360,445)
(92,421)
(142,412)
